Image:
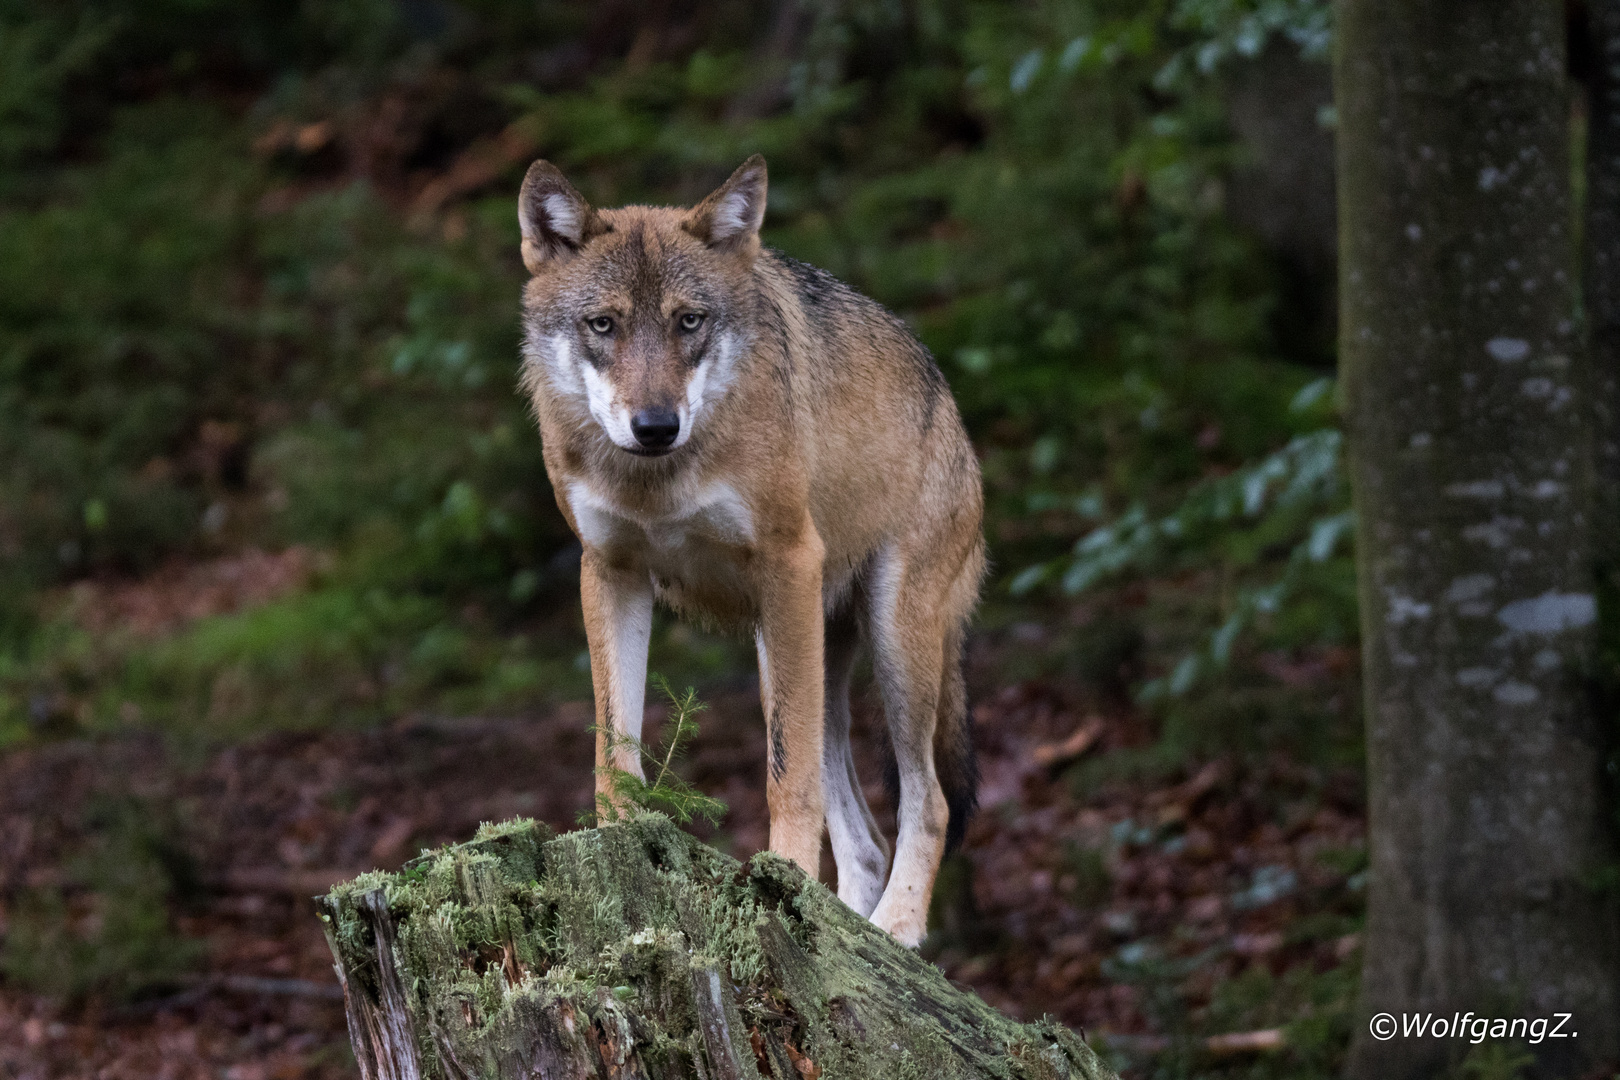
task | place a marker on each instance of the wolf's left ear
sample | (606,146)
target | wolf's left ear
(555,219)
(729,219)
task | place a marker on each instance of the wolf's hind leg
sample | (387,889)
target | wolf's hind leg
(857,843)
(908,644)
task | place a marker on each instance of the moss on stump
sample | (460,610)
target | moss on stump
(634,951)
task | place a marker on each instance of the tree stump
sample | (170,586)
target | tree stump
(633,951)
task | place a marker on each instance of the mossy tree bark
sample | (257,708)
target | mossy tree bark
(1470,455)
(633,951)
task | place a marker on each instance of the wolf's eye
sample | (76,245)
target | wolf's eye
(601,324)
(691,321)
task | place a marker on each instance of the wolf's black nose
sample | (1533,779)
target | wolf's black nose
(655,428)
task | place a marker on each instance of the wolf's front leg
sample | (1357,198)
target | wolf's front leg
(792,691)
(618,605)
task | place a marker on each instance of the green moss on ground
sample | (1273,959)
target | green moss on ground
(634,950)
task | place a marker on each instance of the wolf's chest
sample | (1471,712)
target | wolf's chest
(709,514)
(696,547)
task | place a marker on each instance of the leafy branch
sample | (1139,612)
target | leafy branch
(1294,495)
(1224,29)
(666,792)
(1200,35)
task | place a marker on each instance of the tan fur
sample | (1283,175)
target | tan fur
(821,486)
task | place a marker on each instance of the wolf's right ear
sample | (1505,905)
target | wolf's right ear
(555,219)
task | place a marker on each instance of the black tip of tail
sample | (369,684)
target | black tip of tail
(959,776)
(890,767)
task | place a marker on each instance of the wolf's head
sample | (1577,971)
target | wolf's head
(638,315)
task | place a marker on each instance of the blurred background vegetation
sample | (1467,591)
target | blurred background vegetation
(260,282)
(259,290)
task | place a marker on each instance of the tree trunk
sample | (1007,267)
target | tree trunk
(1470,457)
(1602,283)
(633,951)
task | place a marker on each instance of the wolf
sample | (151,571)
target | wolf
(746,439)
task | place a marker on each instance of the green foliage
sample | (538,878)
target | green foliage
(205,345)
(120,305)
(109,339)
(1299,477)
(1312,1009)
(37,58)
(344,654)
(1167,306)
(666,792)
(1495,1061)
(1225,29)
(1235,519)
(1271,526)
(107,930)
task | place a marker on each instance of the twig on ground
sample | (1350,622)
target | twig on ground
(1232,1044)
(203,987)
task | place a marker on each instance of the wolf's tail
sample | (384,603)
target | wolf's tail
(954,759)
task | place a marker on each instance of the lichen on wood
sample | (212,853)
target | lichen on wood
(634,951)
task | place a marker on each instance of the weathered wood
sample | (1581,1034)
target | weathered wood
(634,952)
(389,1049)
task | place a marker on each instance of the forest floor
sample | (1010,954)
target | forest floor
(1213,898)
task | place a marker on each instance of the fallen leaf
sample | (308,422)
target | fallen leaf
(807,1068)
(311,137)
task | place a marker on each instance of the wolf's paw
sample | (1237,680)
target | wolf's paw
(907,925)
